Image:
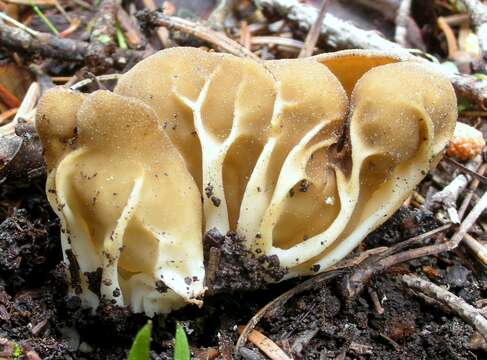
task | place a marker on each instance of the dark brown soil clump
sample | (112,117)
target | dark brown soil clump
(232,267)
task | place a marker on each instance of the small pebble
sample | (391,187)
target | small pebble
(457,275)
(85,348)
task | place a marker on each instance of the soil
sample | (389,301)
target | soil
(36,312)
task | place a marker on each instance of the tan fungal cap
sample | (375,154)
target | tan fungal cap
(302,158)
(127,202)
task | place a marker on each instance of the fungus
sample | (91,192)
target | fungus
(467,142)
(301,158)
(126,202)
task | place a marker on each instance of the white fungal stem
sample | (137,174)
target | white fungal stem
(256,195)
(213,156)
(113,244)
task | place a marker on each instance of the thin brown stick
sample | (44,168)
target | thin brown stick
(266,345)
(314,32)
(466,311)
(245,35)
(469,221)
(354,283)
(53,47)
(215,38)
(162,33)
(6,115)
(473,186)
(134,36)
(8,98)
(451,40)
(281,300)
(479,250)
(474,113)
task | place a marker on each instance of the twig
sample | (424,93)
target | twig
(339,34)
(7,115)
(471,218)
(221,12)
(83,4)
(8,98)
(473,186)
(245,36)
(78,85)
(225,345)
(402,19)
(44,18)
(12,21)
(102,38)
(134,36)
(266,345)
(281,300)
(50,46)
(354,283)
(212,267)
(314,32)
(466,311)
(478,249)
(162,33)
(217,39)
(474,174)
(451,40)
(477,13)
(448,196)
(73,26)
(277,40)
(379,310)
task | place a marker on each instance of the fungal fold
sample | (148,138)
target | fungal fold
(301,158)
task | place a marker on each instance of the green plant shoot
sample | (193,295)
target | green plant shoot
(141,346)
(181,346)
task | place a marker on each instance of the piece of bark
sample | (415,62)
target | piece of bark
(53,47)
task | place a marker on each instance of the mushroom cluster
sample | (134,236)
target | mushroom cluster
(301,158)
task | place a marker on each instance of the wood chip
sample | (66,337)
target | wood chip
(266,345)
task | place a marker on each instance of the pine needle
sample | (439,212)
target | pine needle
(44,18)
